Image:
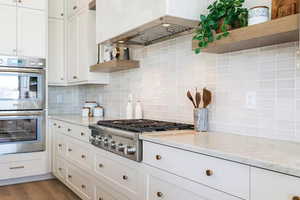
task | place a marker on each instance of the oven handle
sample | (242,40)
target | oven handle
(21,113)
(21,70)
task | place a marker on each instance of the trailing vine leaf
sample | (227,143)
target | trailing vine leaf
(223,15)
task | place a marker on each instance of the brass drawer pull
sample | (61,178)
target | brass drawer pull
(159,194)
(69,150)
(101,165)
(83,156)
(83,186)
(82,134)
(158,157)
(69,129)
(59,127)
(125,177)
(60,145)
(209,172)
(74,7)
(100,198)
(18,167)
(296,198)
(69,176)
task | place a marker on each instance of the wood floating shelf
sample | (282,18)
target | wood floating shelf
(92,5)
(281,30)
(115,65)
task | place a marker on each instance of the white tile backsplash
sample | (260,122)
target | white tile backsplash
(170,68)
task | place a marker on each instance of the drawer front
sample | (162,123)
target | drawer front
(79,153)
(4,171)
(162,185)
(27,168)
(274,186)
(82,184)
(60,145)
(60,168)
(223,175)
(117,172)
(59,127)
(81,133)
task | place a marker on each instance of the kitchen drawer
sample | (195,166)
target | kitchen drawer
(80,153)
(60,127)
(163,185)
(226,176)
(116,172)
(60,145)
(82,133)
(27,168)
(60,169)
(270,185)
(4,171)
(79,182)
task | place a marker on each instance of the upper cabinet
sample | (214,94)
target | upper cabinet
(56,9)
(8,33)
(23,31)
(31,33)
(118,17)
(8,2)
(33,4)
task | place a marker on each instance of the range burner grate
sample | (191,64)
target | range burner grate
(144,125)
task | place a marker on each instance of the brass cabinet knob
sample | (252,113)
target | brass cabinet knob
(125,177)
(83,156)
(82,134)
(69,150)
(159,194)
(296,198)
(69,176)
(209,172)
(62,14)
(100,165)
(83,186)
(74,7)
(59,127)
(60,145)
(69,129)
(158,157)
(100,198)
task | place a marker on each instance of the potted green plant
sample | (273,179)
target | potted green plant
(223,16)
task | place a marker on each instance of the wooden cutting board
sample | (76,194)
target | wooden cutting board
(282,8)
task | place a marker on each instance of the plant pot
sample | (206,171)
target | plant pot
(221,22)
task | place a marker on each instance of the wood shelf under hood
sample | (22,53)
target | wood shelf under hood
(273,32)
(92,5)
(115,65)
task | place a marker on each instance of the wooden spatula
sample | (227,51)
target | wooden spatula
(206,97)
(198,98)
(189,95)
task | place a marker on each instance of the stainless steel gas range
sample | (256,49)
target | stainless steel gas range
(122,136)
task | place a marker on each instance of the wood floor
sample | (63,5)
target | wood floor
(42,190)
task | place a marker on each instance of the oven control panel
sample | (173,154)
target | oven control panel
(10,61)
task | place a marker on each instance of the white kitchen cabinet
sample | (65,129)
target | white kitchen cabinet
(56,52)
(163,185)
(8,33)
(271,185)
(8,2)
(75,6)
(73,69)
(33,4)
(56,9)
(31,33)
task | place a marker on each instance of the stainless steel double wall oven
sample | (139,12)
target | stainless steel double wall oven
(22,104)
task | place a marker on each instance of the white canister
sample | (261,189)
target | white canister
(85,112)
(258,14)
(91,105)
(98,111)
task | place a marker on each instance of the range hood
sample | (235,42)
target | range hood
(156,31)
(144,22)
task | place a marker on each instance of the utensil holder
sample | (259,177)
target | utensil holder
(201,119)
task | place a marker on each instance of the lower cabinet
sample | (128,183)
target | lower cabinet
(274,186)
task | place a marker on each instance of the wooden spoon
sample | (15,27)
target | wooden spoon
(198,98)
(189,95)
(206,97)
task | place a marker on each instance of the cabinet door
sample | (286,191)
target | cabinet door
(73,50)
(56,9)
(56,67)
(31,33)
(33,4)
(8,2)
(72,7)
(274,186)
(8,33)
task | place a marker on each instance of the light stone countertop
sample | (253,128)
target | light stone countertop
(76,119)
(275,155)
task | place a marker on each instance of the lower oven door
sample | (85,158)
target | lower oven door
(22,131)
(22,89)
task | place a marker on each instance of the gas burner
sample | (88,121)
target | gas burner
(144,125)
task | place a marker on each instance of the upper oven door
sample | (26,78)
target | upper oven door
(22,89)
